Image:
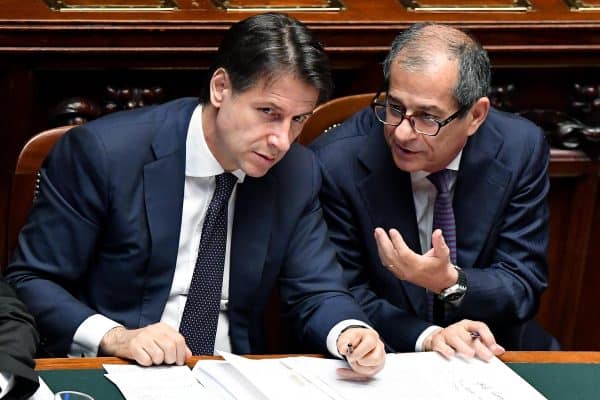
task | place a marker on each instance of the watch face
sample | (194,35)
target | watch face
(454,296)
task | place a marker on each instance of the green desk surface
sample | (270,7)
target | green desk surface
(555,381)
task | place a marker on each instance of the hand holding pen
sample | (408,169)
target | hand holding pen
(466,338)
(364,352)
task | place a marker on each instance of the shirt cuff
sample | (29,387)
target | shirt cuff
(424,335)
(336,331)
(88,336)
(7,381)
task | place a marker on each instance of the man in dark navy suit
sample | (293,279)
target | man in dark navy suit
(110,252)
(486,258)
(18,341)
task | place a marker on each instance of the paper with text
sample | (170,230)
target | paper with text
(424,376)
(419,376)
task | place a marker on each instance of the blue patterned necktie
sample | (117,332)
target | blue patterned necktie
(201,313)
(443,218)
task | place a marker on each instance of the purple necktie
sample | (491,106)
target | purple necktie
(443,218)
(201,313)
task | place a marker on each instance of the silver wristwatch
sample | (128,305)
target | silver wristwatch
(455,293)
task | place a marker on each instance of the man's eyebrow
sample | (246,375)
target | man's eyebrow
(428,108)
(306,113)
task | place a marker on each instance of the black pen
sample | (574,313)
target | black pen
(349,349)
(475,335)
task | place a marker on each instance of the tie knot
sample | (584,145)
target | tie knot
(441,179)
(224,185)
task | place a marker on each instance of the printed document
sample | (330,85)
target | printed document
(410,375)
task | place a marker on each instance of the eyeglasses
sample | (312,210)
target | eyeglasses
(389,114)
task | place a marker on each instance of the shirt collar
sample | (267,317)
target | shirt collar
(199,161)
(454,165)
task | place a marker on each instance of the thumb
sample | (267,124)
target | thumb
(438,244)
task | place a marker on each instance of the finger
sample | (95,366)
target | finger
(364,371)
(439,246)
(347,341)
(168,347)
(156,352)
(349,374)
(481,350)
(464,347)
(485,335)
(179,347)
(385,248)
(183,352)
(497,349)
(441,347)
(398,241)
(141,356)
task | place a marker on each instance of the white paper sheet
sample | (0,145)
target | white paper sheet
(419,376)
(157,383)
(424,376)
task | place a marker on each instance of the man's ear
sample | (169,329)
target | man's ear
(478,114)
(220,87)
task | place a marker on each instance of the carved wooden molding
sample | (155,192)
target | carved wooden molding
(78,110)
(579,5)
(467,5)
(279,5)
(112,5)
(577,129)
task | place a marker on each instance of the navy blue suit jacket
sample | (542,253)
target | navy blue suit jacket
(501,220)
(103,235)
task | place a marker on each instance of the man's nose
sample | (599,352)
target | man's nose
(405,131)
(280,137)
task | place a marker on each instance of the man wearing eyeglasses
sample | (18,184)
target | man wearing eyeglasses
(437,203)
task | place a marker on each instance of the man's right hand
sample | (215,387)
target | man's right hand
(154,344)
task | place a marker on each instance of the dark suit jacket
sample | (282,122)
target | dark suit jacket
(18,340)
(103,235)
(501,220)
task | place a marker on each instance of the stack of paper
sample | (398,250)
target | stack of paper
(410,376)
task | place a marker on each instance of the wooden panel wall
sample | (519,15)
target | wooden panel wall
(61,66)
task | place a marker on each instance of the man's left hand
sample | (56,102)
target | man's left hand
(432,270)
(467,338)
(363,350)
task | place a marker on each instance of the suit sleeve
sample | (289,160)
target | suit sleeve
(506,286)
(311,282)
(56,244)
(398,328)
(18,341)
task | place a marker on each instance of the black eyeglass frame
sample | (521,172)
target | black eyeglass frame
(441,124)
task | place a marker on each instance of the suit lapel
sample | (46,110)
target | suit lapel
(252,229)
(387,194)
(164,180)
(480,190)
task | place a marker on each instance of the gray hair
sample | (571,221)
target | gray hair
(420,42)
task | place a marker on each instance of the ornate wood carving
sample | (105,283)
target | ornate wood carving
(78,110)
(112,5)
(581,5)
(279,5)
(501,96)
(467,5)
(576,129)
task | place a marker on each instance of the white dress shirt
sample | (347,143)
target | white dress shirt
(424,193)
(7,381)
(201,167)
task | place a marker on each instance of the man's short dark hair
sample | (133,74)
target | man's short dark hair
(266,46)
